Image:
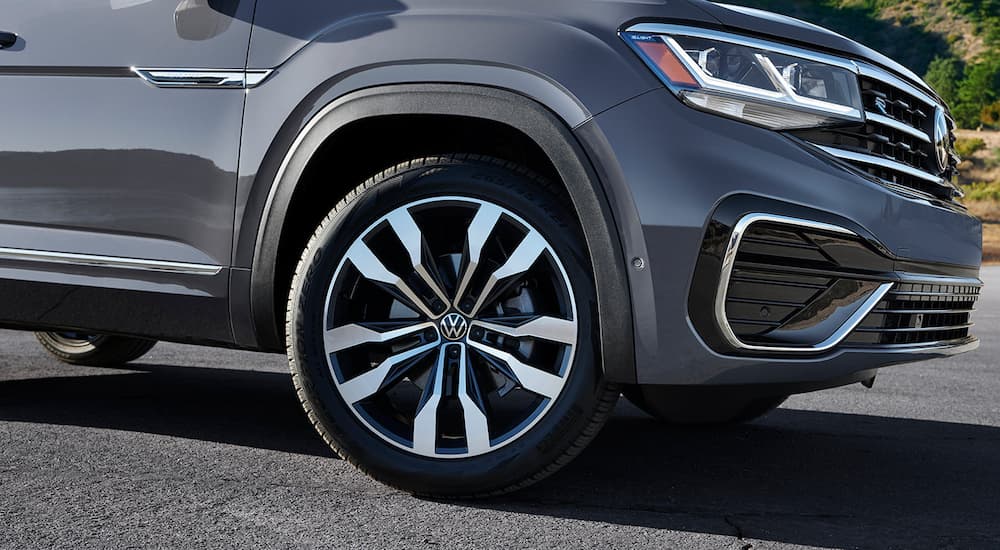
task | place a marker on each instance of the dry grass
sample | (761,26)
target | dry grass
(982,166)
(936,17)
(991,242)
(988,211)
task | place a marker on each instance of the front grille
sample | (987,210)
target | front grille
(895,143)
(883,98)
(919,313)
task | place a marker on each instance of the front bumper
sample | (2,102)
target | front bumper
(670,171)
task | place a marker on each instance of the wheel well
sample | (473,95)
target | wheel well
(363,148)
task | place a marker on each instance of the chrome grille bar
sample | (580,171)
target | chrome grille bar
(876,73)
(897,125)
(882,162)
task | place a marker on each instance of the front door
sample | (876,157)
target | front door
(119,138)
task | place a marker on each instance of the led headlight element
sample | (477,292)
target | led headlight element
(761,82)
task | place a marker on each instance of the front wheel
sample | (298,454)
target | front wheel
(93,350)
(441,329)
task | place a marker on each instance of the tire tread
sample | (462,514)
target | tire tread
(609,393)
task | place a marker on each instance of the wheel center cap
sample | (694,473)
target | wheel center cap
(454,326)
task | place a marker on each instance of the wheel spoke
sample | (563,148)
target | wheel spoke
(372,268)
(367,384)
(409,234)
(528,377)
(477,429)
(479,231)
(521,260)
(425,423)
(349,336)
(388,305)
(544,327)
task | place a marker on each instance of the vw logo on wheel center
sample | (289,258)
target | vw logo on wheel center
(454,326)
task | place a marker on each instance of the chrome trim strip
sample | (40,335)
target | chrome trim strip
(941,347)
(881,162)
(882,75)
(202,78)
(915,329)
(729,262)
(917,278)
(255,76)
(897,125)
(924,311)
(114,262)
(967,297)
(80,71)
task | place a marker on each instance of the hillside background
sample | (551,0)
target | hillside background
(955,46)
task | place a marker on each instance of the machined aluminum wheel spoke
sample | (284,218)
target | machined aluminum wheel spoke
(432,365)
(425,428)
(529,378)
(552,329)
(348,336)
(521,260)
(479,231)
(409,234)
(477,428)
(367,384)
(372,268)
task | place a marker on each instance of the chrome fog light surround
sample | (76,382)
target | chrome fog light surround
(729,261)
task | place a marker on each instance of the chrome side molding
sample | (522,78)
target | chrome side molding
(202,78)
(729,262)
(114,262)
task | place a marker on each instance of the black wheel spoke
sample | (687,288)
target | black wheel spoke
(421,383)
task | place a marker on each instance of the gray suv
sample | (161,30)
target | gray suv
(473,225)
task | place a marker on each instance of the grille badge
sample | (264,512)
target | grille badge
(942,139)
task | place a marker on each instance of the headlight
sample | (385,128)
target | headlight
(765,83)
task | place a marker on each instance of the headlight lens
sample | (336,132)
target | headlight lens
(763,83)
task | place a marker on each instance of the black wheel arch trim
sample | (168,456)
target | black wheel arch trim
(284,165)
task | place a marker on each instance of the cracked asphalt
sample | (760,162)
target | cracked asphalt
(195,447)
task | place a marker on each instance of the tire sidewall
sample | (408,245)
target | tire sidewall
(533,451)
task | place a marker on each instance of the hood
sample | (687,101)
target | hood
(789,29)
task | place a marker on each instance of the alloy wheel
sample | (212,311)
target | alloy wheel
(450,327)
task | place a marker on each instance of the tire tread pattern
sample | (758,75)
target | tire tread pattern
(609,392)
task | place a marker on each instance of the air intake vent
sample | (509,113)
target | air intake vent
(788,290)
(916,313)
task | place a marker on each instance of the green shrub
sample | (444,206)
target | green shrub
(966,147)
(982,191)
(993,160)
(990,115)
(977,90)
(944,75)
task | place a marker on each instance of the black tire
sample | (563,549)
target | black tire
(701,406)
(94,350)
(572,419)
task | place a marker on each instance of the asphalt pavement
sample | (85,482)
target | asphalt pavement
(197,447)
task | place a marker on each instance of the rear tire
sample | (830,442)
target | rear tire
(94,350)
(701,406)
(487,384)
